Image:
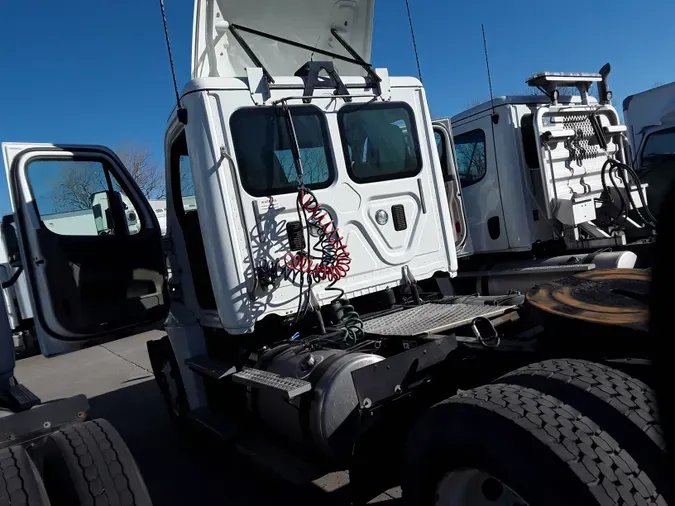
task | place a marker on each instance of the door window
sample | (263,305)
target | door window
(80,198)
(470,153)
(379,141)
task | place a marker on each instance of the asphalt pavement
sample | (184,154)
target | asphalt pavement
(117,379)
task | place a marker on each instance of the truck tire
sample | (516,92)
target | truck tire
(21,484)
(622,405)
(88,464)
(522,446)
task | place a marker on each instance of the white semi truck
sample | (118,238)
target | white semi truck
(315,310)
(650,117)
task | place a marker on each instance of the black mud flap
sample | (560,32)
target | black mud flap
(400,373)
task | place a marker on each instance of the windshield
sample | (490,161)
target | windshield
(263,149)
(658,146)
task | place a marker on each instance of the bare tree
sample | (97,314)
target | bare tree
(144,170)
(72,188)
(470,159)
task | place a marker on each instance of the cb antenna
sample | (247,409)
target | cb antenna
(182,113)
(412,33)
(495,118)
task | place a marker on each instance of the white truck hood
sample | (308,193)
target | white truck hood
(215,53)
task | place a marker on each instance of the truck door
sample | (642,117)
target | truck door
(479,177)
(446,153)
(90,274)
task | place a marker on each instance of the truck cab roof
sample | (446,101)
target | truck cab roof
(517,100)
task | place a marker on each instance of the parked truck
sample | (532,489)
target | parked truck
(547,182)
(650,117)
(315,314)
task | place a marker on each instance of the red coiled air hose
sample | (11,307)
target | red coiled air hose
(335,262)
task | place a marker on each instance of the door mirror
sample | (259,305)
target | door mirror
(103,204)
(10,240)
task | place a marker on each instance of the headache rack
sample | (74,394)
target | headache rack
(550,82)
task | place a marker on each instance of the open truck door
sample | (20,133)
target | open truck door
(446,153)
(91,275)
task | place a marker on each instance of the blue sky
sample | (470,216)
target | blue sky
(96,72)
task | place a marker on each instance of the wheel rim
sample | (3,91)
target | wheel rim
(472,487)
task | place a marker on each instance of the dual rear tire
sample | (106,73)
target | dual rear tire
(87,464)
(552,433)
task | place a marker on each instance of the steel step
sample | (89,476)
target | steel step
(19,398)
(257,378)
(430,319)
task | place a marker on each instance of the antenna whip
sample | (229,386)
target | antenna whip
(412,33)
(181,115)
(487,64)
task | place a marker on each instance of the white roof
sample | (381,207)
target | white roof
(215,52)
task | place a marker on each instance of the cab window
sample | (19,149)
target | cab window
(262,146)
(379,141)
(470,154)
(80,198)
(659,146)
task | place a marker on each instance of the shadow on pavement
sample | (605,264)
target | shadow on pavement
(178,474)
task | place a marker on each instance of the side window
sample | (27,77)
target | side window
(81,198)
(442,148)
(379,141)
(470,153)
(183,185)
(659,146)
(530,146)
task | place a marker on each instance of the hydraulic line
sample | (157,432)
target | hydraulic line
(613,167)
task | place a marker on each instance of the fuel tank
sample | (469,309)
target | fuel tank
(324,419)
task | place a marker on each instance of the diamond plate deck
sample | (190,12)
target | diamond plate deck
(430,318)
(290,387)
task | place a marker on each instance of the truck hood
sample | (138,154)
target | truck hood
(215,53)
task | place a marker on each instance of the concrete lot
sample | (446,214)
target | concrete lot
(118,380)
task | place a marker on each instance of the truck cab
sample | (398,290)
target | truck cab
(242,211)
(533,170)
